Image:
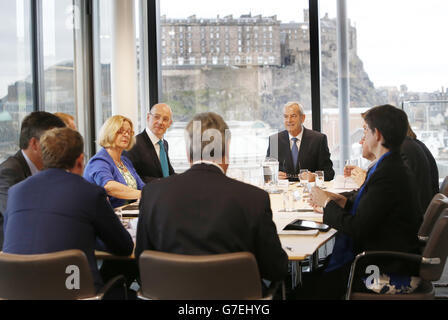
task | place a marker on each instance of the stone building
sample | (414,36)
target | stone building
(242,41)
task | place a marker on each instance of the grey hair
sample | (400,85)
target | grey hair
(207,136)
(294,103)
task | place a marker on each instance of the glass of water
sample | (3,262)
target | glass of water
(320,178)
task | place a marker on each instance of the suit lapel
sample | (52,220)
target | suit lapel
(23,163)
(152,152)
(285,145)
(303,150)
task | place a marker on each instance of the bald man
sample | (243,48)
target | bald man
(150,153)
(299,148)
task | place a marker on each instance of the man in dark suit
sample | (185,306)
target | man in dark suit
(28,160)
(434,171)
(202,211)
(57,209)
(415,158)
(150,153)
(299,148)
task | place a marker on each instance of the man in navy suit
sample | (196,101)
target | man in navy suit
(202,211)
(150,153)
(28,160)
(57,209)
(299,148)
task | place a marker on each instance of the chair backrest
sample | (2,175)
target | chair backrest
(444,186)
(227,276)
(46,276)
(436,248)
(438,203)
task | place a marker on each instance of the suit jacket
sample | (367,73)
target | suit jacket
(387,217)
(202,211)
(313,154)
(101,169)
(414,157)
(55,210)
(12,170)
(432,166)
(145,160)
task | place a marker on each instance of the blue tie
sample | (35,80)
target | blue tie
(163,159)
(295,152)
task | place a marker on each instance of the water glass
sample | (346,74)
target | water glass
(270,172)
(303,176)
(320,178)
(289,201)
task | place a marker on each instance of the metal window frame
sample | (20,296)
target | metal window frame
(37,61)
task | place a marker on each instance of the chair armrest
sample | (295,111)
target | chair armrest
(393,254)
(118,280)
(270,292)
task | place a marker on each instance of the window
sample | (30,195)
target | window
(58,52)
(16,85)
(214,87)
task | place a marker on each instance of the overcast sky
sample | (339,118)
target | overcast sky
(399,41)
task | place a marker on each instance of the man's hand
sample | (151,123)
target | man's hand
(318,197)
(358,175)
(282,175)
(348,170)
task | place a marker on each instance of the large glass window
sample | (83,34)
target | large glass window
(396,56)
(59,19)
(16,93)
(248,82)
(103,42)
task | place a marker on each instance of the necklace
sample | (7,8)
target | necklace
(120,165)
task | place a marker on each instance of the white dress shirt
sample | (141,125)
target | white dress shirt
(30,163)
(298,142)
(155,141)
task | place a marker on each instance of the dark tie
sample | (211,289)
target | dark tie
(295,152)
(163,159)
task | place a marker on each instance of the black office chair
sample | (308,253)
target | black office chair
(432,263)
(50,276)
(438,203)
(229,276)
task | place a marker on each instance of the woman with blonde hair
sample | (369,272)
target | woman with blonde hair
(109,168)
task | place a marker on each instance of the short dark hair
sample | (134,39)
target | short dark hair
(35,124)
(60,148)
(391,122)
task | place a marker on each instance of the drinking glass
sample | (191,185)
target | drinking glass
(289,201)
(270,172)
(320,178)
(350,163)
(303,176)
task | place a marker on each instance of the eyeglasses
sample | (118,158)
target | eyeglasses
(123,132)
(157,117)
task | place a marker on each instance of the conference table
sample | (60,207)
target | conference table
(300,246)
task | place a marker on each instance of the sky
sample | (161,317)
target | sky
(399,41)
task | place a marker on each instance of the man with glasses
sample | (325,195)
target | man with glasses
(150,153)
